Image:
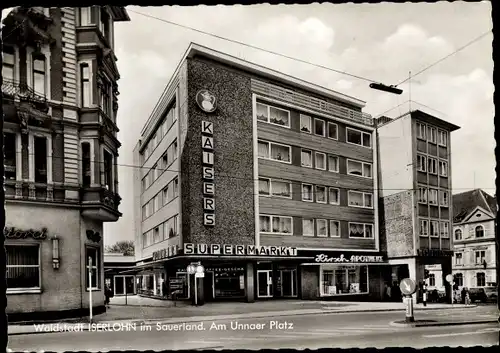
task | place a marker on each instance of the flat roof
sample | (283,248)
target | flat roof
(195,50)
(428,118)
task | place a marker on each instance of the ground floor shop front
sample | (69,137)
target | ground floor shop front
(313,275)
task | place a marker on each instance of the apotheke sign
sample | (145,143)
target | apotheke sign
(229,249)
(353,259)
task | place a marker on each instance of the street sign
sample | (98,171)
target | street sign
(449,278)
(200,269)
(191,269)
(199,275)
(407,286)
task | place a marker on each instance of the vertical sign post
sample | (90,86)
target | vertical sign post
(408,287)
(191,270)
(90,287)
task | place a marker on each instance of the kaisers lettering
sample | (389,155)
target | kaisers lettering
(207,144)
(227,249)
(353,259)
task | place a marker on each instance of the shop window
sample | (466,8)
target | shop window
(432,280)
(41,159)
(9,64)
(481,279)
(86,160)
(344,280)
(229,284)
(23,267)
(93,268)
(10,153)
(305,123)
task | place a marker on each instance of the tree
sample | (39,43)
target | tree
(125,247)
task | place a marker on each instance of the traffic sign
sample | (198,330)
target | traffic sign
(200,269)
(191,269)
(449,278)
(407,286)
(199,275)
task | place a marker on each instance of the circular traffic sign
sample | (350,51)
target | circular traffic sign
(407,286)
(200,269)
(449,278)
(191,269)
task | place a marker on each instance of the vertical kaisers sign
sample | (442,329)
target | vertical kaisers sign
(207,144)
(207,102)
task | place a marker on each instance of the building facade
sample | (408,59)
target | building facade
(415,198)
(474,231)
(114,267)
(60,104)
(266,180)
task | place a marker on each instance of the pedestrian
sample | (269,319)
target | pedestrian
(107,295)
(388,292)
(467,297)
(463,294)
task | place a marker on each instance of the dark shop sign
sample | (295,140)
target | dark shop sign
(15,233)
(434,252)
(227,249)
(323,258)
(166,253)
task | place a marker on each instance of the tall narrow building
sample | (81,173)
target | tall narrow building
(60,104)
(415,194)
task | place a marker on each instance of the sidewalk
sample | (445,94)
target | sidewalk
(146,310)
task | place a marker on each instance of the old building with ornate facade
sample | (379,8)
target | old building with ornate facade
(60,106)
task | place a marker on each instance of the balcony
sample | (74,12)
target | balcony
(99,203)
(28,27)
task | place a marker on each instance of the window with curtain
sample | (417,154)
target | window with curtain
(156,235)
(39,84)
(319,127)
(264,186)
(480,257)
(279,116)
(459,257)
(281,188)
(306,158)
(262,112)
(360,230)
(434,229)
(422,195)
(265,224)
(275,224)
(308,227)
(432,135)
(263,149)
(320,160)
(23,267)
(9,64)
(358,137)
(444,229)
(85,84)
(334,228)
(86,160)
(305,123)
(421,163)
(321,228)
(424,227)
(307,192)
(108,170)
(280,153)
(93,268)
(320,194)
(333,164)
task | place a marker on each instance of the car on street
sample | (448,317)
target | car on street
(483,295)
(491,294)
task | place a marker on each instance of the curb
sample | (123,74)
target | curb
(177,320)
(482,322)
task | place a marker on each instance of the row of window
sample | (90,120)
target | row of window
(319,127)
(432,134)
(432,166)
(479,257)
(309,159)
(480,279)
(169,119)
(169,192)
(161,166)
(434,228)
(164,231)
(24,267)
(37,71)
(433,196)
(478,232)
(314,193)
(283,225)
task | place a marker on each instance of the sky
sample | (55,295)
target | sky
(382,42)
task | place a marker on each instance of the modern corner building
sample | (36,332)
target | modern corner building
(266,180)
(415,194)
(60,103)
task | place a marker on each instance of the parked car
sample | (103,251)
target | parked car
(491,294)
(477,295)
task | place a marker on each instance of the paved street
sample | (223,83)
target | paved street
(345,330)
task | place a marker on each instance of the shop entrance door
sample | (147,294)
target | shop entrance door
(264,283)
(288,283)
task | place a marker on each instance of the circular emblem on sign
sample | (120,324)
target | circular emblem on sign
(206,101)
